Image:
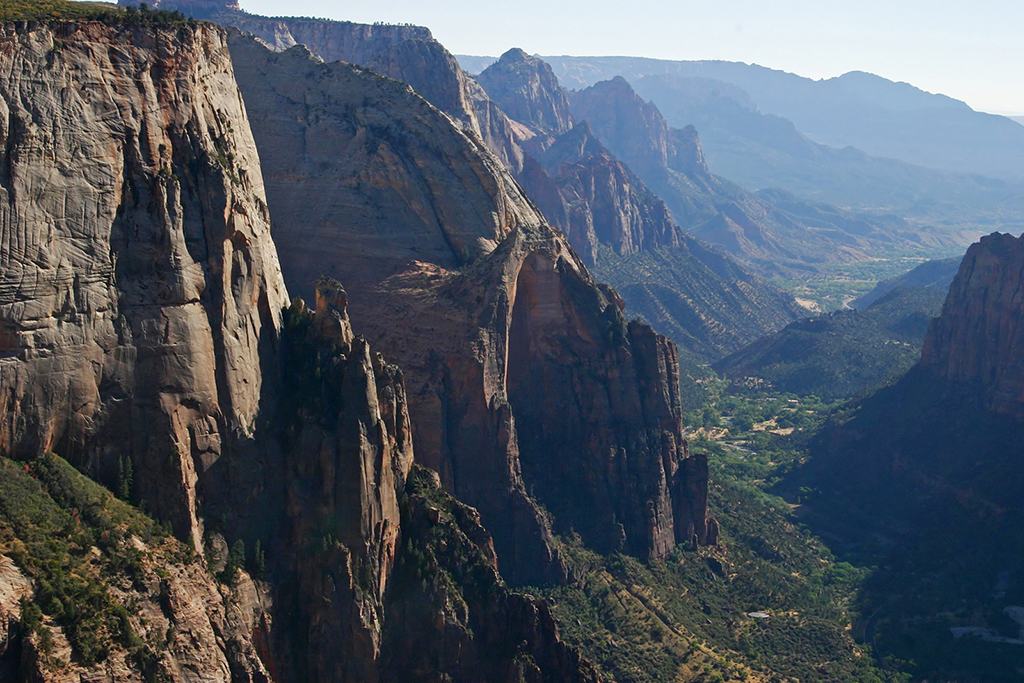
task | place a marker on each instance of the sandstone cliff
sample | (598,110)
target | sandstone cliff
(139,284)
(455,276)
(406,53)
(979,338)
(145,338)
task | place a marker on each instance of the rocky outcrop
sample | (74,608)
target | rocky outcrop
(465,630)
(602,202)
(347,441)
(978,339)
(527,90)
(454,275)
(139,286)
(137,606)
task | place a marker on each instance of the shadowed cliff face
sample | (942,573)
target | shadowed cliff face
(139,285)
(979,338)
(450,317)
(346,439)
(377,162)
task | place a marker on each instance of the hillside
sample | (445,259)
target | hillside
(841,354)
(937,275)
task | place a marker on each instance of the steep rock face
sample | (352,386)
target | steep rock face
(632,128)
(475,630)
(380,150)
(527,90)
(143,330)
(979,338)
(139,283)
(405,53)
(702,300)
(478,295)
(344,418)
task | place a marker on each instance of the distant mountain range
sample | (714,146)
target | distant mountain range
(857,109)
(858,141)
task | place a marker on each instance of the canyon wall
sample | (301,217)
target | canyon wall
(979,337)
(140,287)
(455,276)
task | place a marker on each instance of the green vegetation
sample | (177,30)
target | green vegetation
(841,354)
(687,618)
(66,10)
(836,285)
(939,530)
(72,537)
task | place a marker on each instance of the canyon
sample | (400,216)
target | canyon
(322,359)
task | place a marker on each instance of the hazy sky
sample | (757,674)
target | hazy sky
(972,50)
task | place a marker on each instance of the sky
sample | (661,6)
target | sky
(972,50)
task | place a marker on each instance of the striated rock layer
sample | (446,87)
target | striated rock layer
(522,371)
(979,338)
(139,284)
(144,330)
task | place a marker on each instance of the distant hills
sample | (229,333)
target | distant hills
(935,275)
(840,354)
(857,109)
(928,158)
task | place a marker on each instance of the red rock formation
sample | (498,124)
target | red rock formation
(979,338)
(473,296)
(347,442)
